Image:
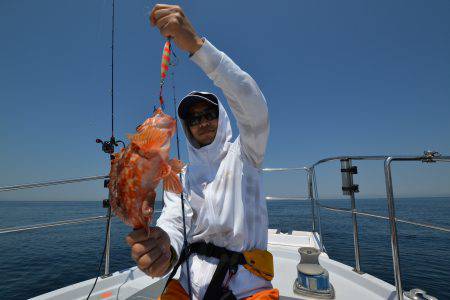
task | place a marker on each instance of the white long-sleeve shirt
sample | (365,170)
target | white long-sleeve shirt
(222,183)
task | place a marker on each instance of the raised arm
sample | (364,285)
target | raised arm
(243,94)
(244,97)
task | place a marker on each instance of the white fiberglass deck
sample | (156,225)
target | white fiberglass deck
(133,284)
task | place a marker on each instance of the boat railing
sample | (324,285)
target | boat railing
(347,170)
(108,216)
(50,183)
(349,188)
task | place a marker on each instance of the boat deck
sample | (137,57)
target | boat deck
(135,285)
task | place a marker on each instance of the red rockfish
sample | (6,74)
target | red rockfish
(137,170)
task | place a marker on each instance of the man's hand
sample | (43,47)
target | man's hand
(151,253)
(172,22)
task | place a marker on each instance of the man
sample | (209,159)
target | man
(224,205)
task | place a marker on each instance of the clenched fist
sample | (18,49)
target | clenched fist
(172,22)
(152,252)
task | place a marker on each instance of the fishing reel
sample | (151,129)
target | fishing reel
(108,146)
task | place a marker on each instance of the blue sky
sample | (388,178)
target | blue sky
(340,77)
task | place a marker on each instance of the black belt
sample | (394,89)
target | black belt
(228,262)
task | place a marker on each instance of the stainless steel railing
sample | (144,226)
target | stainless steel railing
(424,225)
(47,225)
(315,196)
(427,157)
(64,222)
(309,198)
(50,183)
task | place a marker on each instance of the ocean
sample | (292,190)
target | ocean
(39,261)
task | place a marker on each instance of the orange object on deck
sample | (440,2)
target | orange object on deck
(175,291)
(272,294)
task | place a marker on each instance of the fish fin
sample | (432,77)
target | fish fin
(172,183)
(164,170)
(149,138)
(176,165)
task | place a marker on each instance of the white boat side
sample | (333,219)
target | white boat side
(134,284)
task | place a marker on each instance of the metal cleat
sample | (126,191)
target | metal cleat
(429,155)
(418,294)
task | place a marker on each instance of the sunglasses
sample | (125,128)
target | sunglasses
(210,114)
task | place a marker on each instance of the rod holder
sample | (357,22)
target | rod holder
(430,155)
(105,203)
(347,171)
(108,244)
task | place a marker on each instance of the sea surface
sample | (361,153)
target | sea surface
(39,261)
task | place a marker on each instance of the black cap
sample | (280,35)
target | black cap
(193,98)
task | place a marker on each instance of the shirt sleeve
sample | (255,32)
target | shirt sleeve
(244,97)
(171,219)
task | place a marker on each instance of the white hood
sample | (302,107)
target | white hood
(204,161)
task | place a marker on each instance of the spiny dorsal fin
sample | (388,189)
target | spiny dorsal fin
(149,138)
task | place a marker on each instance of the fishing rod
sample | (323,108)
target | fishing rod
(108,147)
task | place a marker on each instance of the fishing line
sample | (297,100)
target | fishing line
(102,258)
(165,63)
(112,71)
(175,103)
(185,243)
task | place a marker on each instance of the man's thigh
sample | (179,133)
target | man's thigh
(174,291)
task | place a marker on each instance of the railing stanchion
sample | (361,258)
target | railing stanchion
(319,225)
(349,189)
(355,235)
(393,228)
(108,243)
(311,198)
(317,206)
(107,204)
